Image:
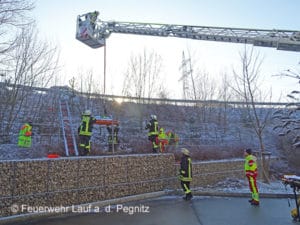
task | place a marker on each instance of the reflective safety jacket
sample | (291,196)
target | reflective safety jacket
(250,166)
(113,135)
(173,138)
(86,126)
(162,135)
(185,172)
(153,127)
(25,133)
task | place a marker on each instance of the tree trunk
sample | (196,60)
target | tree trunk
(264,162)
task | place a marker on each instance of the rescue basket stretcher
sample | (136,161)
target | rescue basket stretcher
(107,121)
(294,182)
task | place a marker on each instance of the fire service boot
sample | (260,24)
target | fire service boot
(188,196)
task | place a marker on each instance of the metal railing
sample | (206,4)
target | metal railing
(67,90)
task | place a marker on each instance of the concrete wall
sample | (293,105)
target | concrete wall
(78,180)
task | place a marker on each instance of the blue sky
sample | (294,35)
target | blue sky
(56,21)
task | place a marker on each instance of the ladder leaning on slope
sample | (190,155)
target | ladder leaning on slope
(67,129)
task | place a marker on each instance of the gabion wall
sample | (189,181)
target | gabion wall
(73,181)
(79,180)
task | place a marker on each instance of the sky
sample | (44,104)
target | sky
(56,22)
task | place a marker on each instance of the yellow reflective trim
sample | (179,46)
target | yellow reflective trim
(187,190)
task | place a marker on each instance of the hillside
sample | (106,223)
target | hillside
(210,131)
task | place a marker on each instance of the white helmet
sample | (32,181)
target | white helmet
(153,117)
(185,151)
(87,112)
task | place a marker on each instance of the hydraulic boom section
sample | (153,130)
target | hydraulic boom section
(95,33)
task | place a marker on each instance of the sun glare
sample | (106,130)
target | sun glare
(119,100)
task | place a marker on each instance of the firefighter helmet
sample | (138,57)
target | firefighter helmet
(153,117)
(87,112)
(185,151)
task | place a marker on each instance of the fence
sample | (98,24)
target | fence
(68,91)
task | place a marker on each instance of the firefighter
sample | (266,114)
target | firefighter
(152,126)
(113,139)
(25,134)
(251,174)
(162,139)
(85,132)
(173,138)
(92,16)
(185,173)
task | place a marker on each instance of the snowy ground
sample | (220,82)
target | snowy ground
(232,185)
(12,151)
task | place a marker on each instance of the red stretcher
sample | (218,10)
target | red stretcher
(107,121)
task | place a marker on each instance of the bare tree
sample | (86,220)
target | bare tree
(13,17)
(289,117)
(31,63)
(86,87)
(142,79)
(224,95)
(247,87)
(205,86)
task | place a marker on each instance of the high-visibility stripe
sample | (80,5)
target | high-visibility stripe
(187,190)
(189,168)
(253,189)
(186,179)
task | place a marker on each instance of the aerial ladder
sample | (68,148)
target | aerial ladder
(94,33)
